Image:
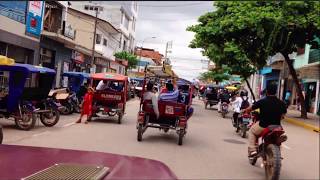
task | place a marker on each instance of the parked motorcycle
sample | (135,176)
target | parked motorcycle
(48,111)
(224,109)
(71,104)
(269,151)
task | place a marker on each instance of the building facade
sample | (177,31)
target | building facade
(19,36)
(121,15)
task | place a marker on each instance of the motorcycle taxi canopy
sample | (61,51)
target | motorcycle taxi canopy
(109,76)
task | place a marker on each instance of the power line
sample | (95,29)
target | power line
(189,19)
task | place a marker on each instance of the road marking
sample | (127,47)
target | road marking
(69,124)
(45,132)
(285,146)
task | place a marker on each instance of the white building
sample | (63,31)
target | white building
(122,15)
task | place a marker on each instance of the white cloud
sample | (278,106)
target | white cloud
(170,23)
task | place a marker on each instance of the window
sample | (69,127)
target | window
(133,24)
(98,38)
(105,42)
(91,8)
(126,22)
(120,41)
(86,7)
(122,17)
(124,45)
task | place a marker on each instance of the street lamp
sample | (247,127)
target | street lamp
(142,47)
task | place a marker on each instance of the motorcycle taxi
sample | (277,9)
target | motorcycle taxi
(112,100)
(24,92)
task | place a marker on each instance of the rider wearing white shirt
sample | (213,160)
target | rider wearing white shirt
(102,85)
(236,104)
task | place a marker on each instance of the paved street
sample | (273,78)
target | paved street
(211,148)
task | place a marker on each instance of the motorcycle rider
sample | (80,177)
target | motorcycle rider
(272,111)
(240,102)
(224,96)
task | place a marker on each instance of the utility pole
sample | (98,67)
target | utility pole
(94,36)
(168,46)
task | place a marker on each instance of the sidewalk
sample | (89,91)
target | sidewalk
(312,123)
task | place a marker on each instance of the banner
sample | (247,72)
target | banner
(34,18)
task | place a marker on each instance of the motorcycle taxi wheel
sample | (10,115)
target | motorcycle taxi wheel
(120,115)
(181,135)
(140,132)
(27,121)
(51,118)
(272,162)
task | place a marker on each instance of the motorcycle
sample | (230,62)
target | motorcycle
(48,111)
(224,109)
(243,124)
(269,151)
(71,104)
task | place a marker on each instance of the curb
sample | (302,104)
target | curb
(302,124)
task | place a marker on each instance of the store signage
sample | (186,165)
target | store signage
(34,18)
(77,57)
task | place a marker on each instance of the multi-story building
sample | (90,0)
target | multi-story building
(146,56)
(20,30)
(306,63)
(123,15)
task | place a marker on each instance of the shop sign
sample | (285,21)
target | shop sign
(34,18)
(77,57)
(68,31)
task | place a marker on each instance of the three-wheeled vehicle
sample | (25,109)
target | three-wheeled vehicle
(172,114)
(112,99)
(138,82)
(24,92)
(211,95)
(71,96)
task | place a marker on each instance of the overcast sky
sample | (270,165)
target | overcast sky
(168,20)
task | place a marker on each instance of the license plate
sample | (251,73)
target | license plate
(169,110)
(246,120)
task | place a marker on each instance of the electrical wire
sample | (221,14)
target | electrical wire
(166,6)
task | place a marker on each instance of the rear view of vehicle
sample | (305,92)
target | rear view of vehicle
(211,97)
(224,109)
(269,150)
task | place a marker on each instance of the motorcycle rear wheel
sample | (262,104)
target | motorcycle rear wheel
(273,162)
(1,135)
(49,119)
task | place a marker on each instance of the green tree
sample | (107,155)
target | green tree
(251,31)
(131,58)
(218,74)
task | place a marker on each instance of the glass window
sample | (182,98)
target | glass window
(86,7)
(91,8)
(105,42)
(98,38)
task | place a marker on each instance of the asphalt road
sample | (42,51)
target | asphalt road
(211,147)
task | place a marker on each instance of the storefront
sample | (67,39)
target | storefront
(102,65)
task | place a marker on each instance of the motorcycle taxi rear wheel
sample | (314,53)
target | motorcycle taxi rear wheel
(1,135)
(181,135)
(120,115)
(140,132)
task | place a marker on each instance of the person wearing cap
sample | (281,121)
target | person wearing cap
(87,105)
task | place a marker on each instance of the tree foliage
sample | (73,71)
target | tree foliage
(218,74)
(131,58)
(242,35)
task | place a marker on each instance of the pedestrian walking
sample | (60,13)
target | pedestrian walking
(87,105)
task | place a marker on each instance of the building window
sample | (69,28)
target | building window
(124,45)
(133,24)
(91,8)
(120,41)
(98,38)
(126,22)
(86,7)
(105,42)
(122,17)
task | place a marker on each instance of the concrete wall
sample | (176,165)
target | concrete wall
(84,26)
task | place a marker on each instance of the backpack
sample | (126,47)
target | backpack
(245,103)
